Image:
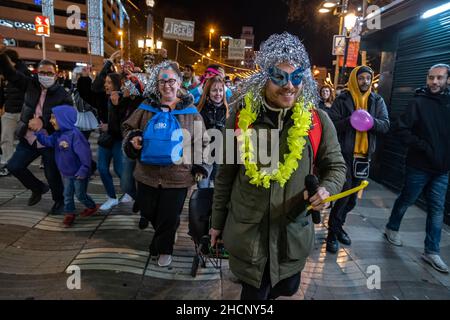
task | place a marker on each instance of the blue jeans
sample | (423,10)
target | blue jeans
(79,188)
(26,154)
(105,156)
(127,183)
(435,190)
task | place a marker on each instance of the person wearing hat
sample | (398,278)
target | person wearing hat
(261,208)
(211,71)
(357,146)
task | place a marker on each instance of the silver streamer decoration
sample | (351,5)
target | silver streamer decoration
(151,86)
(95,26)
(47,10)
(131,87)
(279,48)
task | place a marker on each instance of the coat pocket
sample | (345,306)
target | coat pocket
(243,240)
(300,238)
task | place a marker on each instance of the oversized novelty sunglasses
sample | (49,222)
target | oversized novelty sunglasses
(281,78)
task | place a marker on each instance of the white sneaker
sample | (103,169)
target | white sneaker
(393,237)
(164,260)
(4,172)
(109,204)
(435,261)
(126,198)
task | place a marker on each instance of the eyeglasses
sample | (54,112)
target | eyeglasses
(281,78)
(162,82)
(48,74)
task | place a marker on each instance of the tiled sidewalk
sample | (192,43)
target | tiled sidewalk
(112,253)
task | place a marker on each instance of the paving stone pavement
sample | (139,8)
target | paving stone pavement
(37,254)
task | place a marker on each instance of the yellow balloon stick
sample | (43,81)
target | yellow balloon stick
(344,194)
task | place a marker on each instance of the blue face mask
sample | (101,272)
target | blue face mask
(281,78)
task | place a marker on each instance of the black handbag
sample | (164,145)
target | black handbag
(105,140)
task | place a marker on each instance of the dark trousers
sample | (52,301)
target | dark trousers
(26,154)
(286,287)
(162,207)
(343,206)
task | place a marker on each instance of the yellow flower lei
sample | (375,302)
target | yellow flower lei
(296,142)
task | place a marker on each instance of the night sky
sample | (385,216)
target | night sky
(299,17)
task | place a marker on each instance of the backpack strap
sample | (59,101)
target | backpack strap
(146,107)
(188,110)
(315,134)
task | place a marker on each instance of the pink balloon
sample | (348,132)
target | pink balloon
(361,120)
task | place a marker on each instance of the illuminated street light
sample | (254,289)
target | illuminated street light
(324,10)
(211,31)
(120,33)
(159,44)
(141,43)
(350,21)
(329,4)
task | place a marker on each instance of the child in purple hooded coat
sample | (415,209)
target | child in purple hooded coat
(73,158)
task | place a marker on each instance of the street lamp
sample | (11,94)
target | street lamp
(211,31)
(149,43)
(120,33)
(349,23)
(340,9)
(330,4)
(149,48)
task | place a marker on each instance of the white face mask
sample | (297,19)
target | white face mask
(46,81)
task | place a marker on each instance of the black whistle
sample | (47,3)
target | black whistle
(311,185)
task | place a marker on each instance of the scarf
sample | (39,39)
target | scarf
(360,100)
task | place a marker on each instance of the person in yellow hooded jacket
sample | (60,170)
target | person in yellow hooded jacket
(357,146)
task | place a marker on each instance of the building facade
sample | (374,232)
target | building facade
(82,31)
(414,35)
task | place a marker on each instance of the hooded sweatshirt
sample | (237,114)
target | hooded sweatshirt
(360,100)
(72,151)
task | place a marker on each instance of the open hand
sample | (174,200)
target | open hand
(115,56)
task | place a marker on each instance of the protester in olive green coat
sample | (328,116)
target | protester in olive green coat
(266,230)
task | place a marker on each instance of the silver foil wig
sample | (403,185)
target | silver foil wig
(277,49)
(151,86)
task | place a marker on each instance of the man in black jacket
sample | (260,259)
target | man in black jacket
(13,102)
(424,128)
(357,146)
(42,93)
